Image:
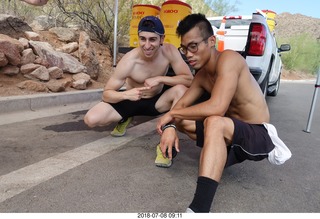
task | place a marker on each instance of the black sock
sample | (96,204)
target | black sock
(206,189)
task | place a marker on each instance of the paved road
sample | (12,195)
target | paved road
(56,164)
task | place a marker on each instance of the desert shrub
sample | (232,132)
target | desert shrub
(304,54)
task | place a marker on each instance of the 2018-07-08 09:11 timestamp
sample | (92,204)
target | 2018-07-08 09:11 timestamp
(159,215)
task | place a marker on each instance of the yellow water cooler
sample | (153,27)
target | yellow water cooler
(271,15)
(138,12)
(171,13)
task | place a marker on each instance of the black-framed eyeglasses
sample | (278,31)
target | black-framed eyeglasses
(192,47)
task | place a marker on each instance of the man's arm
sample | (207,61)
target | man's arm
(182,71)
(111,93)
(189,98)
(222,91)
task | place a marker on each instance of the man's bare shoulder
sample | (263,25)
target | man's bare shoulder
(169,50)
(169,46)
(231,55)
(230,61)
(132,54)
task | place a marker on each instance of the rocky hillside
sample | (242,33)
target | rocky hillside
(55,59)
(293,24)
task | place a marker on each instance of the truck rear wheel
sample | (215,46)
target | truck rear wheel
(264,85)
(276,89)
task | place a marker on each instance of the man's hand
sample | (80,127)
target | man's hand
(135,94)
(169,139)
(152,82)
(165,119)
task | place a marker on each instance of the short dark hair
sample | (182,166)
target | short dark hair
(193,20)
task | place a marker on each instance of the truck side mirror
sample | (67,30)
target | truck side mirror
(284,47)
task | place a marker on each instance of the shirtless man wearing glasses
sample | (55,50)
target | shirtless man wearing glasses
(231,124)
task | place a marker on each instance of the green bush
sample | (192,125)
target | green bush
(304,54)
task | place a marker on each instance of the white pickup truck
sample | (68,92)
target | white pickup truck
(252,38)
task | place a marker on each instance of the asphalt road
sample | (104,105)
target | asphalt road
(56,164)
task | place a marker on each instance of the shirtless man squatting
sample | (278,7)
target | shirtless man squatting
(231,124)
(149,91)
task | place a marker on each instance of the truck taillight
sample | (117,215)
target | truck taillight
(257,39)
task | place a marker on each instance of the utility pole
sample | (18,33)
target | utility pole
(313,104)
(115,32)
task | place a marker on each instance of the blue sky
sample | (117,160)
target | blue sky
(306,7)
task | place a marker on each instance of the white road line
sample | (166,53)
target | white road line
(20,116)
(305,81)
(25,178)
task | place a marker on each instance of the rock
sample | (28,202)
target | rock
(27,56)
(9,70)
(43,22)
(3,60)
(13,26)
(87,56)
(83,76)
(40,73)
(33,86)
(24,42)
(55,72)
(30,35)
(80,84)
(28,68)
(64,34)
(64,61)
(11,48)
(56,86)
(69,48)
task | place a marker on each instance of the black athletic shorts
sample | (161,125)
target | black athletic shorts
(142,107)
(250,142)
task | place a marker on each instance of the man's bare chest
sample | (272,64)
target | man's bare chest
(142,72)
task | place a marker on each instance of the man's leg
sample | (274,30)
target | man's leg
(121,128)
(218,131)
(101,114)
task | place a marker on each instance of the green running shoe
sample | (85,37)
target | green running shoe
(163,161)
(121,128)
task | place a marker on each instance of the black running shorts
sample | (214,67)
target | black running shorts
(250,142)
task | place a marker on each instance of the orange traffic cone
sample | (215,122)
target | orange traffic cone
(220,35)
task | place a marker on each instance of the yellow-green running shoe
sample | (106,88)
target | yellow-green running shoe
(121,128)
(163,161)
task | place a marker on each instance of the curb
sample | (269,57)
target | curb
(39,101)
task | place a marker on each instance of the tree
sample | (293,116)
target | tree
(97,17)
(212,7)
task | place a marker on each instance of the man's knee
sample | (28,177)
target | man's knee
(89,120)
(179,90)
(216,123)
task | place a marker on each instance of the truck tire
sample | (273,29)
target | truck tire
(265,82)
(264,85)
(275,91)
